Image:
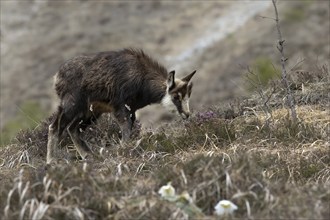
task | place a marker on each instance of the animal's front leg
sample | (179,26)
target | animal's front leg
(125,120)
(126,130)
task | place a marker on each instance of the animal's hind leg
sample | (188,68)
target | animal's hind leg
(53,137)
(81,146)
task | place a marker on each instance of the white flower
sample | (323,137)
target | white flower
(185,197)
(225,207)
(167,192)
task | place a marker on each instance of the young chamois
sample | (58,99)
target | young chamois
(116,82)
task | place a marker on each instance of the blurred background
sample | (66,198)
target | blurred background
(217,38)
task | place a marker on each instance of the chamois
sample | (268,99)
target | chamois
(116,82)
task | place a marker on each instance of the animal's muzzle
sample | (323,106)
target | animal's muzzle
(184,110)
(185,115)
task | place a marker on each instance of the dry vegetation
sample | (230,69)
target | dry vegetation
(278,171)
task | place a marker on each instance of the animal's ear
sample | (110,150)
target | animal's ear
(188,78)
(190,85)
(171,80)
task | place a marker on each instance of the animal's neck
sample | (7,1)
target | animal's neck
(166,99)
(151,94)
(158,94)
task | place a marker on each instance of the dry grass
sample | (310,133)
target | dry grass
(280,171)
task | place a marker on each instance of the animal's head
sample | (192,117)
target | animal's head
(178,93)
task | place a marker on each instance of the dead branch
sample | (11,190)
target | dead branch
(280,47)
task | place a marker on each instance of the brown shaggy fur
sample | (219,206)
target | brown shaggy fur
(119,82)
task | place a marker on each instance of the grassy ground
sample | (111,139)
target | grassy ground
(274,170)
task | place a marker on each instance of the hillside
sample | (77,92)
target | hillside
(240,143)
(275,171)
(217,38)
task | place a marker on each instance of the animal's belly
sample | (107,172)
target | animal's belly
(100,107)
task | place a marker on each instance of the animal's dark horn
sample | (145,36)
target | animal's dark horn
(188,78)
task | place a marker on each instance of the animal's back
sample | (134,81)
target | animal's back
(70,74)
(107,75)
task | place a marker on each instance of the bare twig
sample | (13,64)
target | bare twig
(280,47)
(265,17)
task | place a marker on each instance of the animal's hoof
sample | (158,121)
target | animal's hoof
(55,161)
(51,161)
(82,155)
(91,157)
